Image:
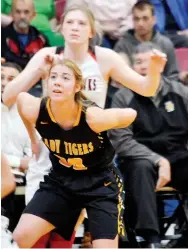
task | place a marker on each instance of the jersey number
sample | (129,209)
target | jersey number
(76,163)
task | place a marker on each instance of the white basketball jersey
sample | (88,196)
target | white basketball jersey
(95,87)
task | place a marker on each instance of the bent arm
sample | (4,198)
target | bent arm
(101,120)
(119,70)
(28,108)
(27,78)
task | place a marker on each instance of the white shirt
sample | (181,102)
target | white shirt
(15,141)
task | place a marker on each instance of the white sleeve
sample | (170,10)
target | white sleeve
(37,170)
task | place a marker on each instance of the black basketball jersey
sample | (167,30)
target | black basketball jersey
(79,147)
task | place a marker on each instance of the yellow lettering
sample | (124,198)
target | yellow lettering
(52,145)
(80,149)
(66,148)
(85,149)
(90,145)
(46,143)
(77,163)
(57,145)
(70,149)
(74,149)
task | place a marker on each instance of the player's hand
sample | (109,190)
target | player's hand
(48,62)
(36,149)
(158,60)
(164,173)
(24,163)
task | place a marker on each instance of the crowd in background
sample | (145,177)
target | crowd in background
(133,29)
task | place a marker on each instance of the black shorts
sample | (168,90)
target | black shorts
(64,193)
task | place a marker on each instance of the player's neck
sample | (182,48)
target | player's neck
(76,53)
(65,113)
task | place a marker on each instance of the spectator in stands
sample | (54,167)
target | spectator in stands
(172,20)
(20,41)
(144,21)
(15,141)
(154,146)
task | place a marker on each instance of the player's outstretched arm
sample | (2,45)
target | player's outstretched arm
(27,78)
(101,120)
(122,73)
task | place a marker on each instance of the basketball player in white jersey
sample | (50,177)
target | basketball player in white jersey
(97,66)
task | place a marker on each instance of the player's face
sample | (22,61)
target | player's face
(7,75)
(141,62)
(76,28)
(62,84)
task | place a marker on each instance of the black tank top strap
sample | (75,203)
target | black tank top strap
(92,51)
(59,49)
(43,112)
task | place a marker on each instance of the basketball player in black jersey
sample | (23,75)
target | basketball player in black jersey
(82,174)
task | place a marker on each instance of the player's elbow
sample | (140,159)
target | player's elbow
(150,92)
(6,98)
(130,116)
(133,115)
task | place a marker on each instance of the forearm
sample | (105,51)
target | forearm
(31,131)
(102,120)
(152,80)
(22,83)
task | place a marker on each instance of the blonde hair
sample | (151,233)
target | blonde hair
(79,96)
(83,8)
(14,2)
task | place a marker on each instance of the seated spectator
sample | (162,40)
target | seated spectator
(172,20)
(44,20)
(143,22)
(15,141)
(20,41)
(153,150)
(113,18)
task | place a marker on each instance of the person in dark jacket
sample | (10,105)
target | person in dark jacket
(19,40)
(144,22)
(153,150)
